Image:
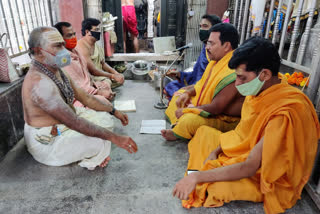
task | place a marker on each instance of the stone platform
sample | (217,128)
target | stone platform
(139,183)
(11,115)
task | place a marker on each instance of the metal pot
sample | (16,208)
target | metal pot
(141,64)
(140,70)
(140,74)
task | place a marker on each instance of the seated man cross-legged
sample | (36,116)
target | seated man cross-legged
(55,132)
(94,54)
(214,99)
(78,68)
(270,155)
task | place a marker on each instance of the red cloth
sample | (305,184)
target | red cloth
(107,45)
(129,19)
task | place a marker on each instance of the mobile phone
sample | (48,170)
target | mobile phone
(191,171)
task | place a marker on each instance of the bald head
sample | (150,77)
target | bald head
(37,38)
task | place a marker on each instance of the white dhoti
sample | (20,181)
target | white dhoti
(70,146)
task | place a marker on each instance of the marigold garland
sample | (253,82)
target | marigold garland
(297,79)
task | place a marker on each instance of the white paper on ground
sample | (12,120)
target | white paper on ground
(152,126)
(125,106)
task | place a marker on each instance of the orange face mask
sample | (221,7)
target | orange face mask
(71,43)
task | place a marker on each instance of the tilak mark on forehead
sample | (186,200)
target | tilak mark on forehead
(53,36)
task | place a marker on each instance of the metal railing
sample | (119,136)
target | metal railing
(242,20)
(292,47)
(19,17)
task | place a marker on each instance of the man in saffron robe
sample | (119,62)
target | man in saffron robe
(190,78)
(269,156)
(214,100)
(78,68)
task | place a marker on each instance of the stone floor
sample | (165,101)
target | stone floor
(139,183)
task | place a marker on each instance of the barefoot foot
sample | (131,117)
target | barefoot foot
(105,162)
(168,134)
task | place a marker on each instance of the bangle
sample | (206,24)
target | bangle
(113,110)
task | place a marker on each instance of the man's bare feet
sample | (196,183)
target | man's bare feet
(168,134)
(105,162)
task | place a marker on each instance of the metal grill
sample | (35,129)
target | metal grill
(19,17)
(199,8)
(295,55)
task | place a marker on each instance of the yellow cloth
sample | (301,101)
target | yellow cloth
(98,56)
(188,124)
(286,119)
(214,73)
(206,88)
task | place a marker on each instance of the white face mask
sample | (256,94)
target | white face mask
(59,60)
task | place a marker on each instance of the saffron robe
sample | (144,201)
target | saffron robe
(287,120)
(216,76)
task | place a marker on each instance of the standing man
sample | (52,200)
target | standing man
(94,54)
(129,24)
(55,132)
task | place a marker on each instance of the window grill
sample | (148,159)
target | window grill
(19,17)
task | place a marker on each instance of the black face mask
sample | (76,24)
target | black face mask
(96,35)
(204,35)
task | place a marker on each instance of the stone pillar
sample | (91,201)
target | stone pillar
(311,59)
(150,18)
(94,9)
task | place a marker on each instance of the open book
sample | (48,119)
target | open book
(152,126)
(125,106)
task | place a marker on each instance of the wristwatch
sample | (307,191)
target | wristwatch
(113,110)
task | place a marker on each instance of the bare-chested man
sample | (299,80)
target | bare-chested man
(55,133)
(78,68)
(129,23)
(94,54)
(214,100)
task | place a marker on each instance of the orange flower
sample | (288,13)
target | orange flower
(292,80)
(307,80)
(300,75)
(287,75)
(299,80)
